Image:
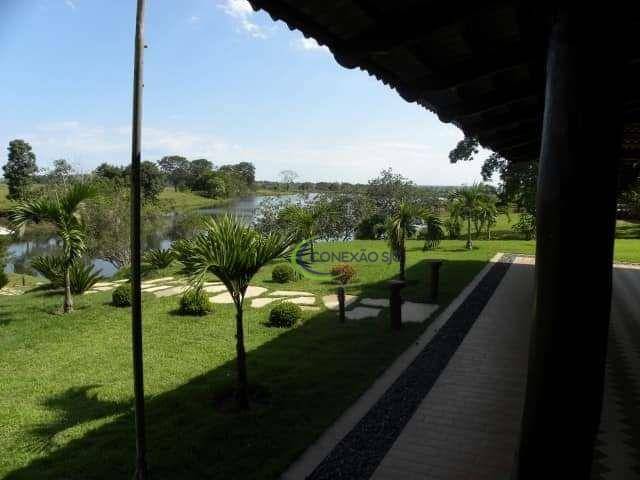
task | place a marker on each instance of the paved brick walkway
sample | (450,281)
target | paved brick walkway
(467,427)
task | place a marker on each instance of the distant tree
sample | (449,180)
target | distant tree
(109,172)
(20,168)
(466,205)
(388,190)
(288,177)
(199,167)
(176,168)
(61,171)
(401,226)
(152,180)
(247,171)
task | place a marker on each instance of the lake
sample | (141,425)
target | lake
(168,228)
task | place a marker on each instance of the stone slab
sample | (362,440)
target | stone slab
(168,292)
(413,312)
(331,301)
(290,293)
(375,302)
(360,313)
(261,302)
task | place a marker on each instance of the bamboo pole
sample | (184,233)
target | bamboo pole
(136,303)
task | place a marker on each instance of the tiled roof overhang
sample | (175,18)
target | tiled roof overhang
(480,65)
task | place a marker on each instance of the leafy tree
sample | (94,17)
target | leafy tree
(465,205)
(61,171)
(234,253)
(19,169)
(197,169)
(371,227)
(64,211)
(388,191)
(109,172)
(288,177)
(401,226)
(151,180)
(245,170)
(176,169)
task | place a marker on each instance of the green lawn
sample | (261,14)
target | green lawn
(169,198)
(4,202)
(66,395)
(66,406)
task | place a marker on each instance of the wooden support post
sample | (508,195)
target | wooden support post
(433,280)
(576,225)
(395,303)
(341,305)
(136,257)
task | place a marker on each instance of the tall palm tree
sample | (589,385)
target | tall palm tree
(399,227)
(64,212)
(465,204)
(488,213)
(234,253)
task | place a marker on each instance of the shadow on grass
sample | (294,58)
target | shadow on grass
(312,373)
(75,406)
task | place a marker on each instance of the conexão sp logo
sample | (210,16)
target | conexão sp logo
(312,261)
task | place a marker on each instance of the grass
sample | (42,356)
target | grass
(169,198)
(66,407)
(5,204)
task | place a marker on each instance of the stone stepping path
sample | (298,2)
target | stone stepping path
(10,292)
(291,293)
(417,312)
(250,293)
(360,313)
(375,302)
(262,302)
(331,301)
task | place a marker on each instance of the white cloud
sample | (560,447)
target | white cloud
(308,44)
(242,13)
(89,145)
(70,3)
(194,19)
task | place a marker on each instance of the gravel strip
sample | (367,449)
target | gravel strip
(360,452)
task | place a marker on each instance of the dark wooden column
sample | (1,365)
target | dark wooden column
(576,224)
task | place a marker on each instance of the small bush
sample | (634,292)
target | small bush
(159,258)
(4,279)
(343,273)
(285,314)
(121,296)
(195,302)
(282,273)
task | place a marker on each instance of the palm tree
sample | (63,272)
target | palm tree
(432,230)
(465,205)
(64,212)
(399,227)
(488,213)
(303,222)
(234,253)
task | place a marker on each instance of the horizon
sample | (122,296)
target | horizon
(222,82)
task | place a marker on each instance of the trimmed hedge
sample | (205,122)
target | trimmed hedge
(195,302)
(282,273)
(285,314)
(121,296)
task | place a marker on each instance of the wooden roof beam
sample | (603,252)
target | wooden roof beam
(405,25)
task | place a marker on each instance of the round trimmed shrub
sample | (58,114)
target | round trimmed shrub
(285,314)
(4,279)
(282,273)
(195,302)
(343,273)
(121,296)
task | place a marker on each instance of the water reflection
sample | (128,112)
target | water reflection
(160,234)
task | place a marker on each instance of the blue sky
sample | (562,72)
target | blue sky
(221,82)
